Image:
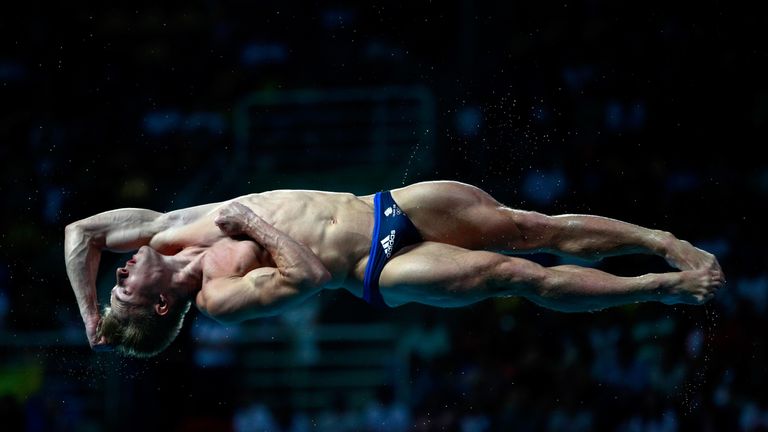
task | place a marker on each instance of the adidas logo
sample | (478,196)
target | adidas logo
(394,210)
(388,242)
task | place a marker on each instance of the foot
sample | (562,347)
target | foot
(691,286)
(684,256)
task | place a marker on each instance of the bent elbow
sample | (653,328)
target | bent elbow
(322,277)
(210,306)
(216,311)
(306,278)
(223,310)
(80,234)
(73,228)
(316,279)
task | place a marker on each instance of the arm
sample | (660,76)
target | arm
(260,293)
(266,290)
(84,240)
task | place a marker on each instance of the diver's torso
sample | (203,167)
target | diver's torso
(337,227)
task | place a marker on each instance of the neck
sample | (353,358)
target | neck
(186,280)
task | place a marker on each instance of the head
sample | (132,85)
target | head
(145,312)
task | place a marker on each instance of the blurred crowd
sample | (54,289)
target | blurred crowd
(647,113)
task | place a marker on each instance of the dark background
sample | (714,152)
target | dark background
(647,112)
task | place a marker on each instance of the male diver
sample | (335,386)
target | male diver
(439,243)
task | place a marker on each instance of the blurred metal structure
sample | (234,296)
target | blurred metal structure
(384,132)
(351,361)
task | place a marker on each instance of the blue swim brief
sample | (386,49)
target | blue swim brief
(392,231)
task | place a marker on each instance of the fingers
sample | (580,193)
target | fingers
(229,222)
(224,215)
(233,218)
(102,345)
(221,219)
(228,226)
(235,209)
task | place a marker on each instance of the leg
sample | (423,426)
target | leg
(466,216)
(448,276)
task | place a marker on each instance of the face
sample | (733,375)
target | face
(138,283)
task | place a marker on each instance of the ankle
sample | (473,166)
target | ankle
(664,243)
(660,285)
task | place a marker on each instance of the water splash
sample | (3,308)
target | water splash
(92,370)
(414,151)
(691,393)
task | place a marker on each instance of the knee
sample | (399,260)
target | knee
(516,276)
(536,229)
(532,221)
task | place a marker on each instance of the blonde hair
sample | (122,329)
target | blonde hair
(142,332)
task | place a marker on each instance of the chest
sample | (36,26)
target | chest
(229,257)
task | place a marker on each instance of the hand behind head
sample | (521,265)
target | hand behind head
(102,344)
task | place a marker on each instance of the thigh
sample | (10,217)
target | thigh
(444,275)
(459,214)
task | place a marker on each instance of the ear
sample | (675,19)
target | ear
(161,307)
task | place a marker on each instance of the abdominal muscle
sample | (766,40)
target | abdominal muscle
(337,227)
